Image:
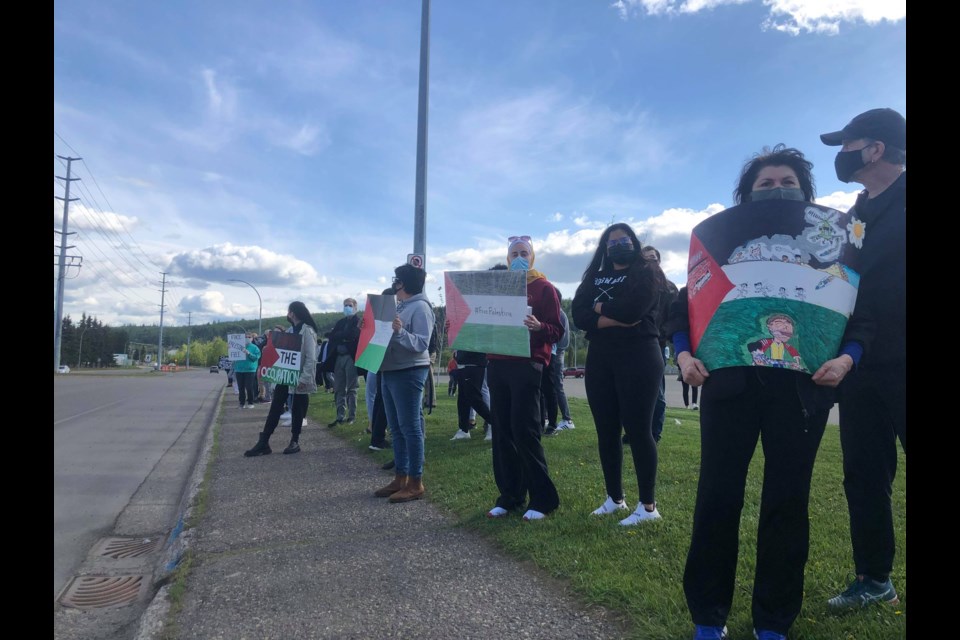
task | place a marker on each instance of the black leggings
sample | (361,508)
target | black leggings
(471,396)
(247,384)
(298,410)
(623,382)
(686,390)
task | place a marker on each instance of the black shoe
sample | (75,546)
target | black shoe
(389,465)
(625,439)
(334,423)
(551,430)
(383,446)
(351,420)
(262,448)
(293,447)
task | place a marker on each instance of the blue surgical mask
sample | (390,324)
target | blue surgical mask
(348,310)
(519,264)
(779,193)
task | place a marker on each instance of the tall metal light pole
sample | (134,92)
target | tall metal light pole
(259,326)
(420,198)
(62,264)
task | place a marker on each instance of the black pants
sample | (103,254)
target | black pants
(622,381)
(769,409)
(519,466)
(247,383)
(298,410)
(686,391)
(873,415)
(548,397)
(378,424)
(470,381)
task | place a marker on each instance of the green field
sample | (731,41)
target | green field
(638,570)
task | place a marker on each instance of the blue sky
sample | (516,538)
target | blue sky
(276,142)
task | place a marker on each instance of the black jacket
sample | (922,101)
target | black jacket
(344,337)
(882,294)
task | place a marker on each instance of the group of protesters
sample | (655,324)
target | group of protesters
(619,306)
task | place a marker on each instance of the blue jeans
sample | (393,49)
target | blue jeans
(371,393)
(402,401)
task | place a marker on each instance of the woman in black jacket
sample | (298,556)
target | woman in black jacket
(616,304)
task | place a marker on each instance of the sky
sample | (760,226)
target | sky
(275,143)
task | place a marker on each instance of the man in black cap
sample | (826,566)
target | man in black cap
(873,406)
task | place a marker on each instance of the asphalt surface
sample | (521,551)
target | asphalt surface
(297,546)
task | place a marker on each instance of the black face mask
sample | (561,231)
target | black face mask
(622,255)
(780,193)
(848,163)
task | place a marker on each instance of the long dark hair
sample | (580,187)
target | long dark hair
(780,156)
(600,261)
(302,314)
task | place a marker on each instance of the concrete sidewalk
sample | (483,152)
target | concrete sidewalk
(296,546)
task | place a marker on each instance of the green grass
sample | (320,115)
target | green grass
(638,571)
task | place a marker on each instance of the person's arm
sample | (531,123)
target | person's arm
(692,369)
(417,339)
(352,331)
(584,317)
(546,311)
(859,332)
(253,353)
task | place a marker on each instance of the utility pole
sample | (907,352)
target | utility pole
(163,292)
(62,265)
(188,339)
(420,198)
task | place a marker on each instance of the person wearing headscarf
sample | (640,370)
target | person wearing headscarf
(519,464)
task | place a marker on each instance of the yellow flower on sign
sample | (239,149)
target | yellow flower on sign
(858,230)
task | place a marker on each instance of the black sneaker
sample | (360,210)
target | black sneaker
(389,465)
(334,423)
(293,447)
(551,430)
(383,446)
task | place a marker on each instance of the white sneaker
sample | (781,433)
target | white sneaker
(610,506)
(694,407)
(531,514)
(249,406)
(640,515)
(489,435)
(461,435)
(497,512)
(286,416)
(568,424)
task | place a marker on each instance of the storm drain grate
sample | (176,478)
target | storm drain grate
(118,548)
(100,592)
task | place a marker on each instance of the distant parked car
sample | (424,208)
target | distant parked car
(214,369)
(574,372)
(63,369)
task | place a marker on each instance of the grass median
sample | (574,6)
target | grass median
(638,571)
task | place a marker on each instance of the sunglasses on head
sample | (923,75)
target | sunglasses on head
(518,238)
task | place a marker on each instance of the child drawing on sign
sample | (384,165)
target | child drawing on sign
(799,294)
(774,351)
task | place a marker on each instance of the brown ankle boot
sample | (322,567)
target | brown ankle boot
(413,491)
(399,482)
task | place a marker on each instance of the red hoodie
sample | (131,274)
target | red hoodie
(542,298)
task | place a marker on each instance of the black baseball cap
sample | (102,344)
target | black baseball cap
(885,125)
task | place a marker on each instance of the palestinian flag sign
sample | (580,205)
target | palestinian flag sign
(772,283)
(376,333)
(486,311)
(280,358)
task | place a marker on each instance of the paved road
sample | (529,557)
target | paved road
(109,432)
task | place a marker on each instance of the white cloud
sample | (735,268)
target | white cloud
(221,262)
(82,218)
(789,16)
(557,217)
(221,97)
(839,200)
(208,302)
(306,140)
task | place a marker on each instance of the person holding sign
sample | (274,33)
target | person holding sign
(616,304)
(404,371)
(246,371)
(519,465)
(779,405)
(302,323)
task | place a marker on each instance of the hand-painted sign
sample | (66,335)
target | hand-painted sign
(280,358)
(771,283)
(486,310)
(236,346)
